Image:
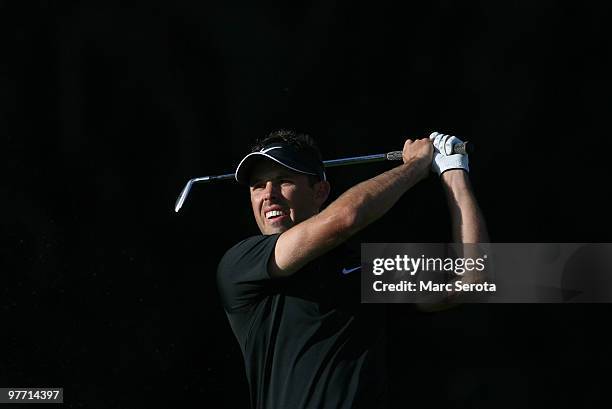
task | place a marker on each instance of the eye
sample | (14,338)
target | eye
(257,185)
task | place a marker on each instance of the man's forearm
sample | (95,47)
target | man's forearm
(468,226)
(468,223)
(369,200)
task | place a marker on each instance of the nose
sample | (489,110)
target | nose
(270,191)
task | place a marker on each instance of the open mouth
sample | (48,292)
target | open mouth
(275,214)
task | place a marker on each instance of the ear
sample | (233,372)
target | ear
(322,190)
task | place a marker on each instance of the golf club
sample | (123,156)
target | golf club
(460,148)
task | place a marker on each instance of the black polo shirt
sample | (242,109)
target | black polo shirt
(306,339)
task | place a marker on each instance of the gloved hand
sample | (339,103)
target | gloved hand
(443,158)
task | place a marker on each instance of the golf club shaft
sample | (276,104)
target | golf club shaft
(328,163)
(395,155)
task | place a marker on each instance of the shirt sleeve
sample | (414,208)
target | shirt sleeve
(242,274)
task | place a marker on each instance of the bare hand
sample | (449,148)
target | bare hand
(419,152)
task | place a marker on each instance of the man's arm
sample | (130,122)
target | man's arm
(468,224)
(468,227)
(351,212)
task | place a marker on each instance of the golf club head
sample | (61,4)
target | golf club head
(183,196)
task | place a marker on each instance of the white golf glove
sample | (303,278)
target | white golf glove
(443,158)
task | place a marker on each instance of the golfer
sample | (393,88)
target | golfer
(292,294)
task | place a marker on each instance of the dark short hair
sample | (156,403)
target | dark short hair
(300,141)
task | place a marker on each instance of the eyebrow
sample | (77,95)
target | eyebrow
(281,175)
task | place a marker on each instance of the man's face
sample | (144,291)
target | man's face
(281,198)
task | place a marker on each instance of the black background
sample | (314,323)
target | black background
(107,108)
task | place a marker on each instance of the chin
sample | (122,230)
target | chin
(268,231)
(279,229)
(275,229)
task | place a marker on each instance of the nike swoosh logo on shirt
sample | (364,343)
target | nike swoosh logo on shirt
(350,270)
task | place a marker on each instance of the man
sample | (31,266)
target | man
(290,299)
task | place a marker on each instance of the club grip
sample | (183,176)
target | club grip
(460,148)
(395,155)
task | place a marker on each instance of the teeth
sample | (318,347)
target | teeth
(273,213)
